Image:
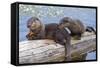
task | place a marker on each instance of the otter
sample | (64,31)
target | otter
(59,35)
(90,29)
(36,29)
(53,31)
(75,26)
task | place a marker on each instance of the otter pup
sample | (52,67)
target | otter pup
(36,29)
(76,27)
(59,35)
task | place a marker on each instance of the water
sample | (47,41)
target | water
(91,56)
(87,16)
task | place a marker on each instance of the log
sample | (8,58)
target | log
(45,50)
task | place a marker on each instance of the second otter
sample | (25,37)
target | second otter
(76,27)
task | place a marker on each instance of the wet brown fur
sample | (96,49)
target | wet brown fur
(59,35)
(75,26)
(36,29)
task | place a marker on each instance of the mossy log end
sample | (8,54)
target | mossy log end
(41,51)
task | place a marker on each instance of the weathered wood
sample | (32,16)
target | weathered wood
(39,51)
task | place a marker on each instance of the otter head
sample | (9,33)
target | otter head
(34,24)
(65,22)
(74,27)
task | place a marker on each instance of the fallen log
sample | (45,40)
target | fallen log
(40,51)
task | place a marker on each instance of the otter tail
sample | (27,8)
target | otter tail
(90,29)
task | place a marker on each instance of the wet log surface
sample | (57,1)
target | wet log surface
(41,51)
